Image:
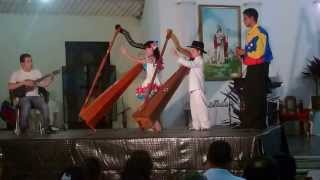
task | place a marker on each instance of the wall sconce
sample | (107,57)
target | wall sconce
(193,2)
(317,3)
(252,4)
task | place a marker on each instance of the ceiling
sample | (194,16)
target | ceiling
(129,8)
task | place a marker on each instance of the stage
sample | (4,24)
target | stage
(174,151)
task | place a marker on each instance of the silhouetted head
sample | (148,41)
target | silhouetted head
(92,168)
(219,154)
(261,168)
(138,166)
(287,166)
(72,173)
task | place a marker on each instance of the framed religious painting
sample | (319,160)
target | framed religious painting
(220,30)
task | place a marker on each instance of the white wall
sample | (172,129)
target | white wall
(183,19)
(293,26)
(44,38)
(294,30)
(151,20)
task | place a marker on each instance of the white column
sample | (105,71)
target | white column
(188,25)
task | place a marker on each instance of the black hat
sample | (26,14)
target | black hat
(198,45)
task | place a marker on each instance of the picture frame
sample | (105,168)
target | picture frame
(220,30)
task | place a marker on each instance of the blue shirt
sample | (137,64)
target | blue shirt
(220,174)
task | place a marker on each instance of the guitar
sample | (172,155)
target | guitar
(22,90)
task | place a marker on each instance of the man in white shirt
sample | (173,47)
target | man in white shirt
(198,105)
(26,77)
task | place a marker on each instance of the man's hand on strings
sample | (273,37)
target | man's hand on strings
(29,83)
(46,82)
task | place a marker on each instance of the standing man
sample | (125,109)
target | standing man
(26,77)
(257,56)
(198,101)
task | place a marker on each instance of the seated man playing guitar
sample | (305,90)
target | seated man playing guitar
(25,84)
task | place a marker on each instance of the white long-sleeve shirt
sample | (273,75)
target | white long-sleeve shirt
(196,77)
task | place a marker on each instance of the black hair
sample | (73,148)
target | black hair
(138,166)
(262,168)
(220,153)
(156,51)
(24,56)
(75,172)
(251,12)
(92,168)
(287,166)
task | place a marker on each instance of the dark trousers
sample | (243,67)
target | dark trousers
(255,96)
(37,102)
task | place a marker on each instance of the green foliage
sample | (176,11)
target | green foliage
(222,72)
(312,70)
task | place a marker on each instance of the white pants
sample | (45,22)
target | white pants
(199,110)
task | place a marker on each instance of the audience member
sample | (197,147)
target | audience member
(138,166)
(287,166)
(261,168)
(219,160)
(72,173)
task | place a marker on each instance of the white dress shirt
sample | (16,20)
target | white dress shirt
(196,77)
(21,75)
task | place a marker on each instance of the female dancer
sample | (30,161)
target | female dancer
(150,62)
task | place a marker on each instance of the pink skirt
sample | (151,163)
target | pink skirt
(141,91)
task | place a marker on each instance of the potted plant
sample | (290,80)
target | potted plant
(312,70)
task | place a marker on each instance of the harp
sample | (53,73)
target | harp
(92,112)
(152,108)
